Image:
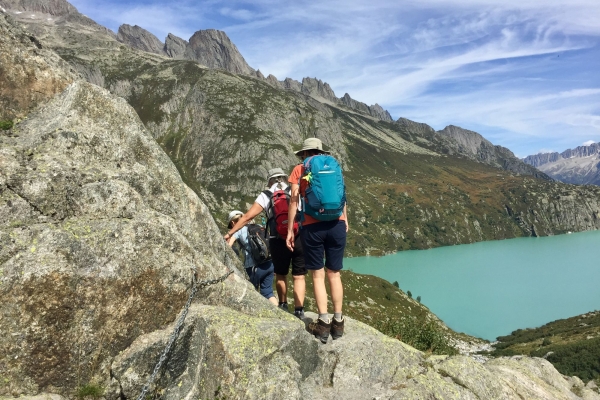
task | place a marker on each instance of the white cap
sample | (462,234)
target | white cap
(234,214)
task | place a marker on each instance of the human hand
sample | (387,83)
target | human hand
(290,241)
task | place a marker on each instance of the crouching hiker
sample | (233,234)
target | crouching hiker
(319,197)
(275,201)
(257,260)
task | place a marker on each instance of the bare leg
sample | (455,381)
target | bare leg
(299,290)
(337,290)
(282,287)
(320,291)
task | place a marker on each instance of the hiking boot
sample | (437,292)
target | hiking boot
(320,329)
(284,307)
(299,314)
(337,328)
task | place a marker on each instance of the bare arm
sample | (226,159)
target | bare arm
(292,210)
(251,213)
(231,241)
(345,214)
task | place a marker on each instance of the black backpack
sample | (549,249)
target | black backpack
(258,243)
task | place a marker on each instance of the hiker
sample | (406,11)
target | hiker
(322,233)
(260,274)
(274,201)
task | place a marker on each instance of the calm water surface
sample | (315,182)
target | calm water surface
(489,289)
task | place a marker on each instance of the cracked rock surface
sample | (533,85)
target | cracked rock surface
(97,237)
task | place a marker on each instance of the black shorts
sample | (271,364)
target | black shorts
(325,238)
(282,256)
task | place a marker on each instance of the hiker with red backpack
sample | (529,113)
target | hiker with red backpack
(274,202)
(319,198)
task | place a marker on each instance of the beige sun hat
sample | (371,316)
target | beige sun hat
(233,214)
(274,173)
(312,144)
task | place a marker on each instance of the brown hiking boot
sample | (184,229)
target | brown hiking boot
(337,328)
(320,329)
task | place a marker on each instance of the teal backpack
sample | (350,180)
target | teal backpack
(325,195)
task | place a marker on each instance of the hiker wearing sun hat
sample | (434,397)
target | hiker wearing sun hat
(323,232)
(311,144)
(274,202)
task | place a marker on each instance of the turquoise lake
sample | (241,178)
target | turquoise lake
(490,289)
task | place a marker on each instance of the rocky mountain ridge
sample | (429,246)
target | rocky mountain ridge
(214,49)
(100,243)
(50,12)
(578,166)
(484,151)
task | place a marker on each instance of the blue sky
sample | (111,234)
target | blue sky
(522,73)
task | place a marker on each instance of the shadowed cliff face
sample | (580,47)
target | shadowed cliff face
(97,236)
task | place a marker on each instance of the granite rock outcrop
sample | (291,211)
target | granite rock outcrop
(139,38)
(31,74)
(214,49)
(175,46)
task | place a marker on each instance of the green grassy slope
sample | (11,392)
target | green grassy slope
(571,344)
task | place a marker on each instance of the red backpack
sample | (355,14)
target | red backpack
(278,213)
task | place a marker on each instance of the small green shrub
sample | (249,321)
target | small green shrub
(90,390)
(546,342)
(409,294)
(396,284)
(6,125)
(419,333)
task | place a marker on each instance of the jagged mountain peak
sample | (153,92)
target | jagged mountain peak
(375,110)
(139,38)
(580,165)
(213,48)
(175,46)
(470,141)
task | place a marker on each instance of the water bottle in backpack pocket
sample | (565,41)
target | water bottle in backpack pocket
(325,194)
